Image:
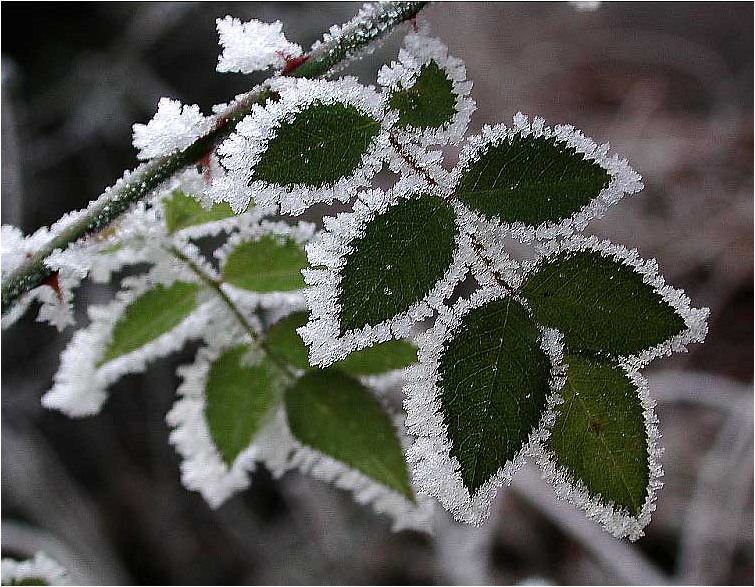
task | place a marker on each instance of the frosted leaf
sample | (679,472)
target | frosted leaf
(245,149)
(174,127)
(694,319)
(434,470)
(80,385)
(40,570)
(561,206)
(443,115)
(253,46)
(586,5)
(325,333)
(617,521)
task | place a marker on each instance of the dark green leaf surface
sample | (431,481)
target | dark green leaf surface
(530,180)
(599,434)
(267,265)
(285,342)
(182,211)
(495,380)
(322,144)
(404,252)
(600,305)
(239,397)
(152,314)
(429,103)
(336,415)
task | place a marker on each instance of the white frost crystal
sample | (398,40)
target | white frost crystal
(253,46)
(41,567)
(174,127)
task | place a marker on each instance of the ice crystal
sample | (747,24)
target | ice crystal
(174,127)
(253,46)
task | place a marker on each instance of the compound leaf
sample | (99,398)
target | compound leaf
(320,145)
(338,416)
(495,381)
(403,253)
(269,264)
(182,210)
(240,393)
(599,436)
(429,103)
(152,314)
(601,306)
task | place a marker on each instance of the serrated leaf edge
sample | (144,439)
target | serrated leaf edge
(322,332)
(434,471)
(617,521)
(80,387)
(251,231)
(624,180)
(244,148)
(695,319)
(419,49)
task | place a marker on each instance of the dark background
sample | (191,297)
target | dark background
(670,85)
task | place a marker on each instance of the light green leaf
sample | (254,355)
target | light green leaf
(403,253)
(269,264)
(599,435)
(429,103)
(495,380)
(182,210)
(240,394)
(600,305)
(336,415)
(152,314)
(284,342)
(531,180)
(319,146)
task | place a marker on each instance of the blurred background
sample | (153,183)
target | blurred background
(670,85)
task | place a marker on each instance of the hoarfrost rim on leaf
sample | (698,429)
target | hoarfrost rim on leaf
(40,566)
(624,180)
(322,332)
(302,233)
(617,521)
(174,126)
(202,466)
(253,45)
(282,453)
(695,319)
(80,387)
(433,468)
(420,49)
(241,152)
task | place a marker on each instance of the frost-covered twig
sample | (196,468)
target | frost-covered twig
(341,43)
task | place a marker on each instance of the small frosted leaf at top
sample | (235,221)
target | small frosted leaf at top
(253,46)
(175,126)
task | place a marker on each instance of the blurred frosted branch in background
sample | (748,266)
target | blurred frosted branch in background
(669,84)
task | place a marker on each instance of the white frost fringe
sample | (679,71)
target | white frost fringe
(40,567)
(624,180)
(241,152)
(419,50)
(322,333)
(617,521)
(80,387)
(695,319)
(434,470)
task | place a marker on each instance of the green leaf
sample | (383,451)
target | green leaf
(152,314)
(336,415)
(322,144)
(27,581)
(182,211)
(599,304)
(530,180)
(269,264)
(403,253)
(495,383)
(239,396)
(429,103)
(284,342)
(599,435)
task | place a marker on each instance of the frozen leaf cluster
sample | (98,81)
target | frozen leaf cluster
(253,46)
(175,126)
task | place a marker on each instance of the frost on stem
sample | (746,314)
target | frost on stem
(253,46)
(175,126)
(40,570)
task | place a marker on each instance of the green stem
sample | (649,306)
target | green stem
(355,37)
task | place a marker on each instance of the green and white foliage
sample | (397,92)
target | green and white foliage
(303,331)
(39,570)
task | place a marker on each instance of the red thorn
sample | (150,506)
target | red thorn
(204,164)
(54,282)
(293,62)
(413,22)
